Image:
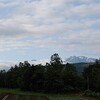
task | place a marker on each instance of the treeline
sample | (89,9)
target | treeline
(52,77)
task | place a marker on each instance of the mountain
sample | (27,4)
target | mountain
(79,59)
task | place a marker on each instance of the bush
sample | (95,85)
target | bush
(90,93)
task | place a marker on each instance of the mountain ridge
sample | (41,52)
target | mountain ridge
(79,59)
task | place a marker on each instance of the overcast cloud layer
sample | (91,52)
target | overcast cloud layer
(68,26)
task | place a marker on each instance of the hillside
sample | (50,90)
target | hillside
(80,66)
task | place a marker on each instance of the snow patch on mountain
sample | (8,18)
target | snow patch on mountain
(79,59)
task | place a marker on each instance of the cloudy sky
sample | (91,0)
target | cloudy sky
(36,29)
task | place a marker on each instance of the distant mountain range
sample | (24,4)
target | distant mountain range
(79,59)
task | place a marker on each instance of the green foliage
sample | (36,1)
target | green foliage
(92,76)
(90,93)
(55,59)
(72,81)
(80,67)
(53,77)
(65,98)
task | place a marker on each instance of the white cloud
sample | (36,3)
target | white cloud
(50,23)
(41,61)
(6,64)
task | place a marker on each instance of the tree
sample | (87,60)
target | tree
(53,81)
(92,76)
(70,78)
(55,59)
(2,78)
(52,77)
(37,78)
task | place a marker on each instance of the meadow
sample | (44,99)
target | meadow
(16,94)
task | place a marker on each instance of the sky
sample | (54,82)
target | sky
(36,29)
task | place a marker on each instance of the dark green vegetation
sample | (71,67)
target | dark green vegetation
(80,67)
(92,74)
(54,77)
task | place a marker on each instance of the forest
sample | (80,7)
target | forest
(54,77)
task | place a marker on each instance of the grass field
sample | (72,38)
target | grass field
(16,94)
